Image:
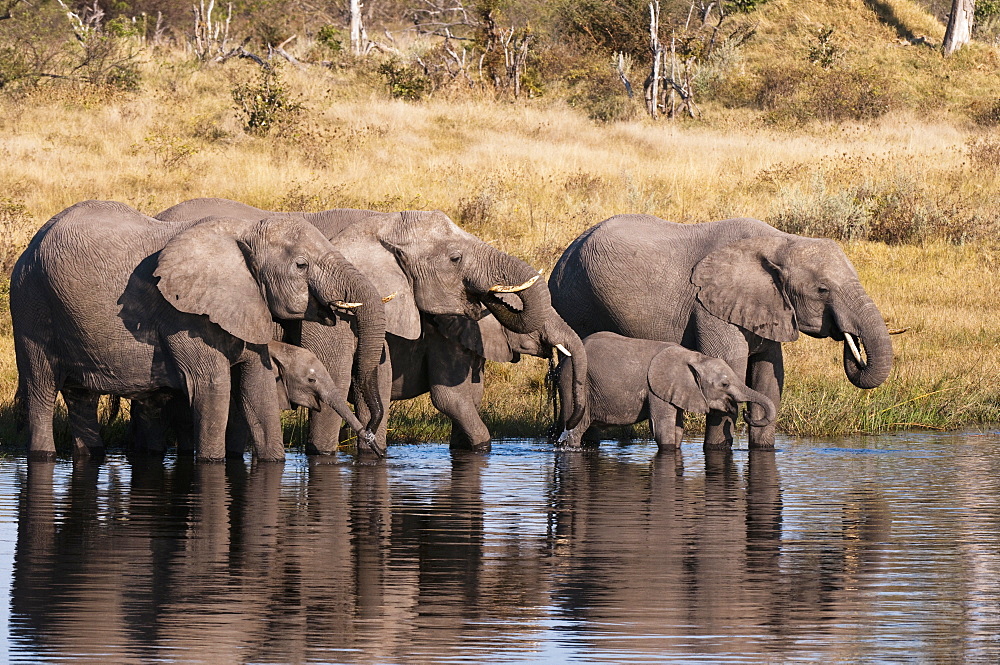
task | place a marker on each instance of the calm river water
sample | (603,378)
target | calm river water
(870,549)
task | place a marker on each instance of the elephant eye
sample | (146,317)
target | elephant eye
(456,257)
(312,379)
(822,289)
(301,263)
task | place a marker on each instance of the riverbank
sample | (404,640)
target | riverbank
(530,176)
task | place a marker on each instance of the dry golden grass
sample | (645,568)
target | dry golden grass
(529,177)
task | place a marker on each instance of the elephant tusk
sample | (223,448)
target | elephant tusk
(390,297)
(501,288)
(564,350)
(341,304)
(849,340)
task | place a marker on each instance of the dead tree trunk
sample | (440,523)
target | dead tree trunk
(959,32)
(653,82)
(356,28)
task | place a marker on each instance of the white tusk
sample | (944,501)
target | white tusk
(854,350)
(390,297)
(500,288)
(340,304)
(562,437)
(564,350)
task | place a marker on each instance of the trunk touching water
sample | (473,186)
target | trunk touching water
(501,280)
(558,333)
(867,347)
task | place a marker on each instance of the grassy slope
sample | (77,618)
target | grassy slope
(530,177)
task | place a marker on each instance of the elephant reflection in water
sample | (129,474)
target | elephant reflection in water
(208,552)
(663,552)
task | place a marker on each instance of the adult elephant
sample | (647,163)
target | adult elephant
(448,361)
(734,289)
(424,261)
(108,300)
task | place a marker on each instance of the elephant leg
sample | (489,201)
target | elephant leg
(239,430)
(718,425)
(460,401)
(81,404)
(456,380)
(146,427)
(37,392)
(259,410)
(679,428)
(334,347)
(663,419)
(766,375)
(210,413)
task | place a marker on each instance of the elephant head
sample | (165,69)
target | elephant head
(776,286)
(435,267)
(242,274)
(302,380)
(490,340)
(692,381)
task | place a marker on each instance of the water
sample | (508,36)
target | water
(870,549)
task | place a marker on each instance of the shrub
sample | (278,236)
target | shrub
(984,152)
(404,81)
(802,94)
(818,212)
(265,103)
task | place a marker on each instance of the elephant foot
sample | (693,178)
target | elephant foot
(466,446)
(325,449)
(267,460)
(324,459)
(85,454)
(203,459)
(722,446)
(41,456)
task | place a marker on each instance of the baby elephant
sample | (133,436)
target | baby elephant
(300,379)
(631,380)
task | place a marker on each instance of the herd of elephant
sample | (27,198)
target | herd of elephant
(213,316)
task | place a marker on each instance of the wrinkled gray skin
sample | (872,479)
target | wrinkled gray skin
(424,261)
(448,361)
(108,301)
(300,379)
(631,380)
(733,289)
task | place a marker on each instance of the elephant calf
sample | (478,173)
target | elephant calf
(631,380)
(301,380)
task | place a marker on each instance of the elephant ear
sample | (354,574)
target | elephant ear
(202,270)
(360,244)
(741,283)
(486,337)
(674,379)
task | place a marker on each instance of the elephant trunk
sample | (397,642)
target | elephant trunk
(557,334)
(352,292)
(751,396)
(867,347)
(500,280)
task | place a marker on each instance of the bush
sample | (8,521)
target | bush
(802,94)
(404,81)
(265,103)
